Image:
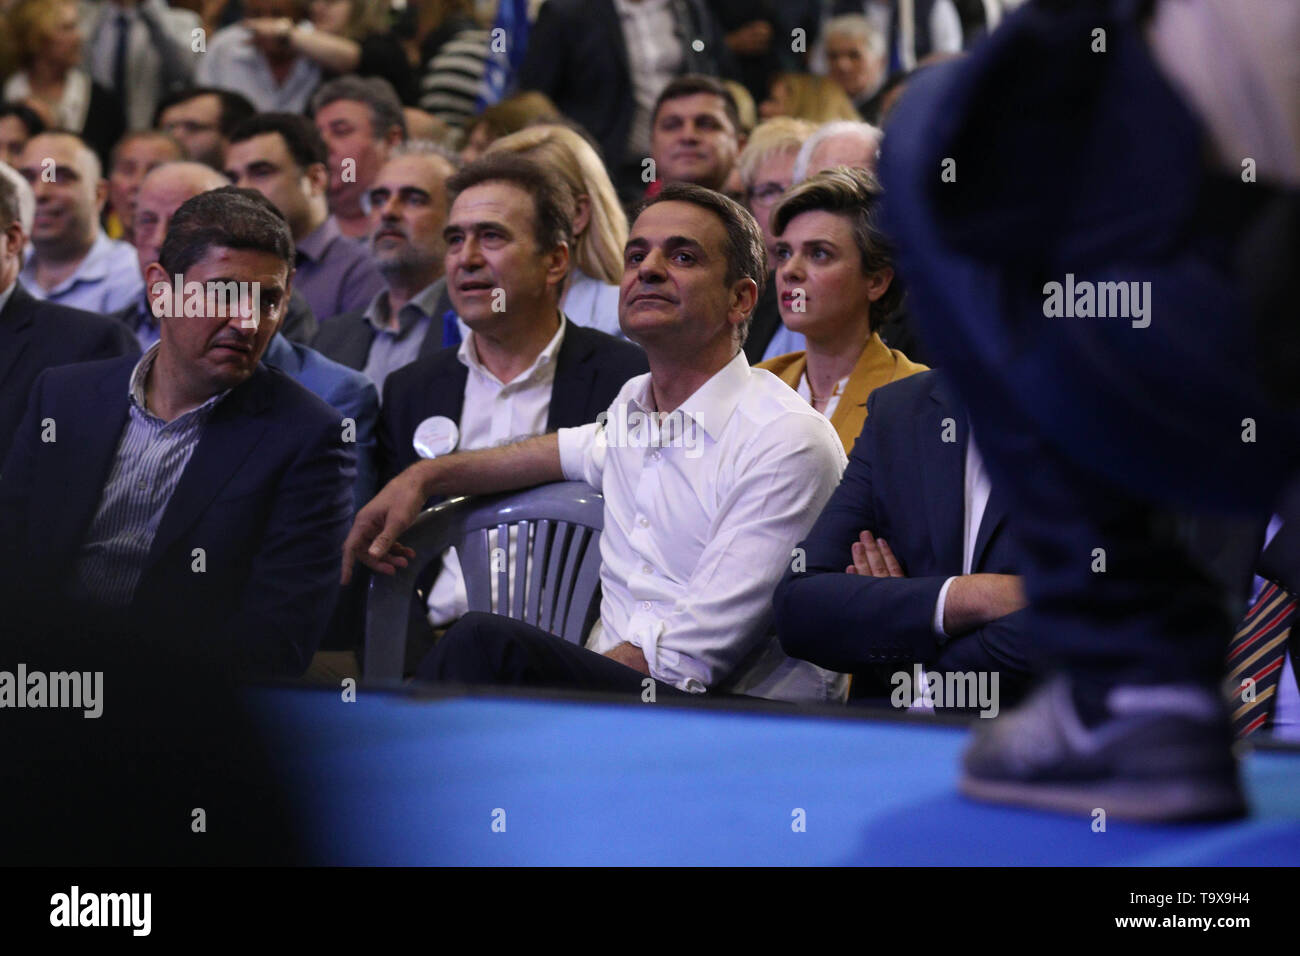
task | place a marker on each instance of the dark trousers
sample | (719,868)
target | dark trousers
(490,649)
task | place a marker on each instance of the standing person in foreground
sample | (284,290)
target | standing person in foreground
(711,471)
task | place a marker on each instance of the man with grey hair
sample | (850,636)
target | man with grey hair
(26,198)
(841,143)
(361,120)
(412,316)
(857,60)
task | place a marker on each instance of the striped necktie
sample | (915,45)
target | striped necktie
(1256,655)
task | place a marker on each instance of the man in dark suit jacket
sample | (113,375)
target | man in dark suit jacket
(578,56)
(192,503)
(36,335)
(932,568)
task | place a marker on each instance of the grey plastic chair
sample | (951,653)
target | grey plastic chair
(556,556)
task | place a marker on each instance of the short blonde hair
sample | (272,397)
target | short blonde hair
(598,251)
(817,99)
(745,108)
(781,134)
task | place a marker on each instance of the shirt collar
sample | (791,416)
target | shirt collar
(7,294)
(711,405)
(140,377)
(313,245)
(420,307)
(95,267)
(468,354)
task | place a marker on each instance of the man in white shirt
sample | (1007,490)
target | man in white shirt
(710,470)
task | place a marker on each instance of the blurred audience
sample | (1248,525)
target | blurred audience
(843,143)
(129,162)
(451,50)
(18,124)
(73,262)
(255,57)
(605,62)
(47,43)
(766,169)
(807,97)
(202,119)
(349,37)
(509,116)
(361,120)
(142,50)
(283,157)
(856,60)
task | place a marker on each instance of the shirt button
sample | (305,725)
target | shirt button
(643,521)
(141,484)
(646,569)
(645,605)
(656,455)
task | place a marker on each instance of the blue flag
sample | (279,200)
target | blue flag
(506,44)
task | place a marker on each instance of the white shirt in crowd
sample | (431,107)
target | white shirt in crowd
(592,303)
(805,392)
(701,521)
(975,498)
(494,413)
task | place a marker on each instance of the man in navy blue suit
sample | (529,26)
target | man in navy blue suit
(911,561)
(36,335)
(1109,290)
(192,503)
(349,392)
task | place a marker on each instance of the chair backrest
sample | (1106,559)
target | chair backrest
(555,556)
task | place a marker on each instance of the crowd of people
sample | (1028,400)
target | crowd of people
(675,211)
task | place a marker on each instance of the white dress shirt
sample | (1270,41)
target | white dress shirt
(976,499)
(805,392)
(699,531)
(494,413)
(592,303)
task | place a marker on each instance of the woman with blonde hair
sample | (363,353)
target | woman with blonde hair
(508,116)
(599,226)
(805,96)
(46,41)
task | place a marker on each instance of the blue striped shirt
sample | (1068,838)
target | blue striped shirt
(151,457)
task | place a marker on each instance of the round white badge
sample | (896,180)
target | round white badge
(436,436)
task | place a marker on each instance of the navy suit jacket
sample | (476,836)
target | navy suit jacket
(267,495)
(347,391)
(903,483)
(346,338)
(36,335)
(590,369)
